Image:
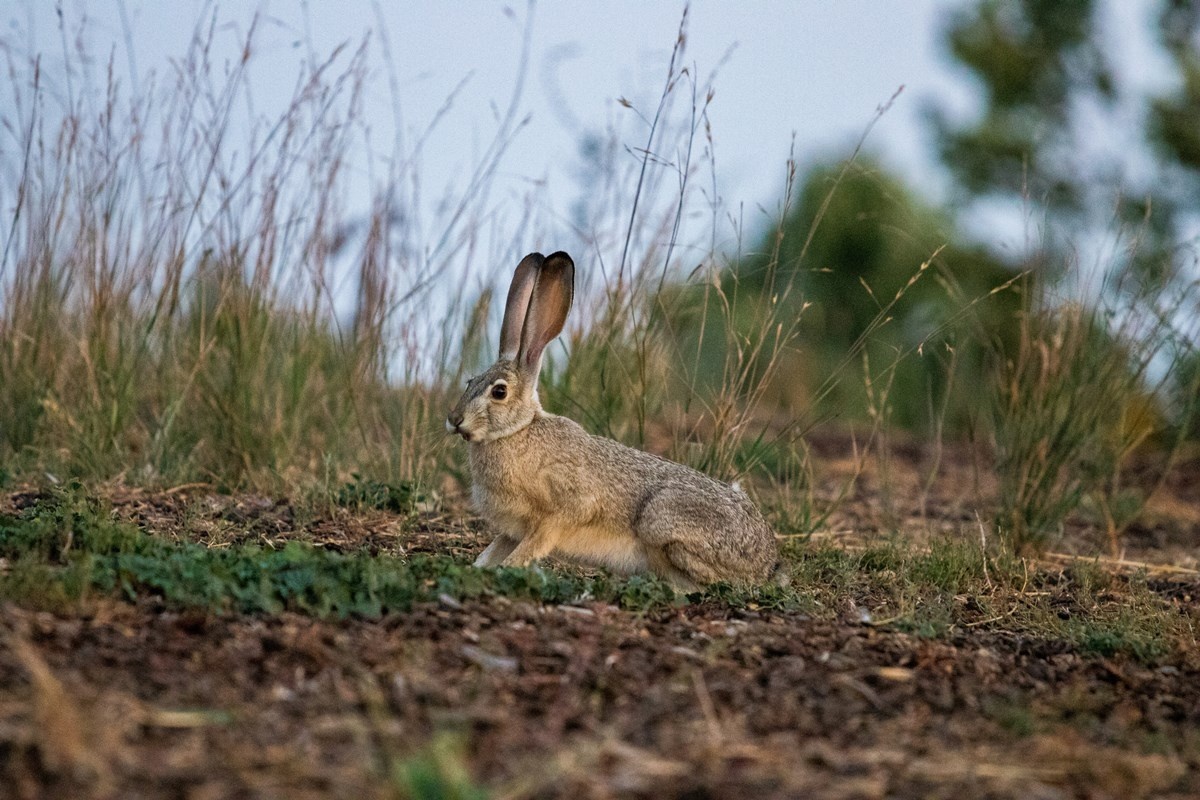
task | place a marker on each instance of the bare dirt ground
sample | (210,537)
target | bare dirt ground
(134,700)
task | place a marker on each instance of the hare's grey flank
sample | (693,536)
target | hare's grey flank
(545,485)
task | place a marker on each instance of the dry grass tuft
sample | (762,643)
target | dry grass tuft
(69,748)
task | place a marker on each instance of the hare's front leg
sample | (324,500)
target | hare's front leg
(496,552)
(537,544)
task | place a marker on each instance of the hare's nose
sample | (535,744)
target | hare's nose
(453,421)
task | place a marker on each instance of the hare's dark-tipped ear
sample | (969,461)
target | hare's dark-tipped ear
(517,306)
(552,295)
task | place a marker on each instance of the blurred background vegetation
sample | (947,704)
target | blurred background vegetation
(1046,84)
(190,324)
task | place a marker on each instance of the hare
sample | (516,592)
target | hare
(547,486)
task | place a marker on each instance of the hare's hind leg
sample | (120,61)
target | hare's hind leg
(695,563)
(497,551)
(663,568)
(683,554)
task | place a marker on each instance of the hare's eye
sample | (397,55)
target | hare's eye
(499,391)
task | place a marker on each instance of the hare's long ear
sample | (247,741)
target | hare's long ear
(552,294)
(517,305)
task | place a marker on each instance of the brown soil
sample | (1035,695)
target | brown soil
(137,701)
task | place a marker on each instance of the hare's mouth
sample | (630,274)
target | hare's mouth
(453,427)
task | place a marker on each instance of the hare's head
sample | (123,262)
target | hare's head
(503,399)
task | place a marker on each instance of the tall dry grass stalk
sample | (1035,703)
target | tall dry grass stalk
(1092,380)
(185,293)
(638,368)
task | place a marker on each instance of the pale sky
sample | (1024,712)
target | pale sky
(809,69)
